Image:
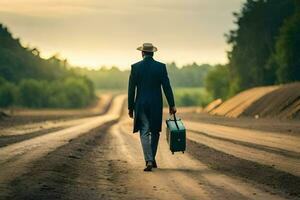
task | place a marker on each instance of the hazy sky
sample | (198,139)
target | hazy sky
(107,32)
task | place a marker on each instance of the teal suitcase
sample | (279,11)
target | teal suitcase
(176,135)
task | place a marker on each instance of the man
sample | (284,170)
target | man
(145,101)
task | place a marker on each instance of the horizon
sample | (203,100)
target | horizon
(110,32)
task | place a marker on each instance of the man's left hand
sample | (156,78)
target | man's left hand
(172,110)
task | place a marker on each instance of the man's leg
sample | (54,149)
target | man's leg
(154,143)
(145,137)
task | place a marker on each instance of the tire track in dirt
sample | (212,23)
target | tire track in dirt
(251,161)
(271,139)
(8,140)
(55,176)
(269,149)
(279,162)
(250,171)
(20,133)
(17,159)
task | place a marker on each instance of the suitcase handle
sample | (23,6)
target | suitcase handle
(175,121)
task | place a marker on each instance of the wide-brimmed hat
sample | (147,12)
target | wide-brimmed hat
(148,47)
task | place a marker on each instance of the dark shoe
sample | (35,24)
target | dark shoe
(148,168)
(154,164)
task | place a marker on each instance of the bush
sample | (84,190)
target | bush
(217,82)
(72,92)
(190,97)
(77,92)
(56,95)
(33,93)
(8,93)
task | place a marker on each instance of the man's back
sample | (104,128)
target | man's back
(149,76)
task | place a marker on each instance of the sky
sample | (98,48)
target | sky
(94,33)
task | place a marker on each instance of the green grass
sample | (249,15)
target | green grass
(191,97)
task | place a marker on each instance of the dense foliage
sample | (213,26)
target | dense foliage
(265,48)
(192,75)
(217,82)
(28,80)
(191,97)
(287,54)
(251,61)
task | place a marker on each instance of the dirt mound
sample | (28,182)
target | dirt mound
(281,103)
(213,105)
(236,105)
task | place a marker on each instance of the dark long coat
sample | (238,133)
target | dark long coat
(146,79)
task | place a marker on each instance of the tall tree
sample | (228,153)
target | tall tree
(18,62)
(287,55)
(253,42)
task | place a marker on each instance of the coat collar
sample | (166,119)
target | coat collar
(148,58)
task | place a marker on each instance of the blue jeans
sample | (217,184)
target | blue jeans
(149,140)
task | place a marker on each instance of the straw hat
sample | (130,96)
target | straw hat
(148,47)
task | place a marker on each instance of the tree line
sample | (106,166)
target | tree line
(191,75)
(265,48)
(28,80)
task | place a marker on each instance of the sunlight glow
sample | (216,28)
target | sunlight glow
(95,33)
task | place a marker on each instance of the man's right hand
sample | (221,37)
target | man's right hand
(172,110)
(130,113)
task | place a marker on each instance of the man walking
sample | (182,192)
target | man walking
(145,101)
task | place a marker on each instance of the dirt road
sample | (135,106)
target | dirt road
(99,158)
